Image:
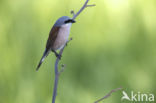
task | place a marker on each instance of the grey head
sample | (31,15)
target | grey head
(63,20)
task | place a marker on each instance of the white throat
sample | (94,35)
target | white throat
(62,36)
(66,25)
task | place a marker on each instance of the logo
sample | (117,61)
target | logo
(140,97)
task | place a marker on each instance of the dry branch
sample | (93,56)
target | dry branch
(108,95)
(82,8)
(57,73)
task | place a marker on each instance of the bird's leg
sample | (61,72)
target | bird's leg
(57,55)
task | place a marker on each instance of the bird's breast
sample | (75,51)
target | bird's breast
(62,36)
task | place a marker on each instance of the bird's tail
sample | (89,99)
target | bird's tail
(46,52)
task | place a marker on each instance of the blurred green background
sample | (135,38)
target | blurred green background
(114,44)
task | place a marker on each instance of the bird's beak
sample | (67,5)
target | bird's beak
(73,21)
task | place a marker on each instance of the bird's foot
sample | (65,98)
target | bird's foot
(58,56)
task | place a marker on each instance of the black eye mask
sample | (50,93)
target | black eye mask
(69,21)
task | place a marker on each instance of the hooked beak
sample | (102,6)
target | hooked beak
(72,20)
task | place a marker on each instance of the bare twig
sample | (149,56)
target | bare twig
(82,8)
(108,95)
(72,12)
(90,5)
(57,73)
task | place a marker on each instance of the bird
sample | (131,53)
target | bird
(58,37)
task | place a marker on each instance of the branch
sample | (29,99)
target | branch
(82,8)
(57,73)
(108,95)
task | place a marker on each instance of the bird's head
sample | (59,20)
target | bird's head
(64,20)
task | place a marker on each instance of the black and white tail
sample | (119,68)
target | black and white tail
(46,52)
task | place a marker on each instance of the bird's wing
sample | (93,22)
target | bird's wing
(52,37)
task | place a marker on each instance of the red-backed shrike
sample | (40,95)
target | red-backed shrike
(58,37)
